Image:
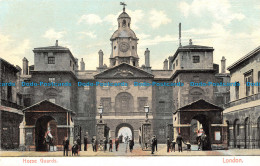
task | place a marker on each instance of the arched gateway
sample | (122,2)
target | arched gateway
(43,118)
(200,115)
(128,130)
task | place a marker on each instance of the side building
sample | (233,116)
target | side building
(242,113)
(11,104)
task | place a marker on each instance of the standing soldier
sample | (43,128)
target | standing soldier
(168,144)
(66,144)
(86,142)
(79,143)
(179,141)
(110,144)
(117,143)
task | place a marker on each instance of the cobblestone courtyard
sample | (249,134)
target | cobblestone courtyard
(137,151)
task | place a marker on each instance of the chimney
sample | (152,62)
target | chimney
(165,64)
(82,65)
(223,65)
(147,57)
(25,66)
(100,53)
(56,44)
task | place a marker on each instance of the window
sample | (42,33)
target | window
(177,62)
(70,63)
(161,106)
(133,47)
(114,47)
(196,59)
(237,90)
(196,79)
(217,135)
(9,93)
(124,23)
(51,60)
(53,100)
(52,80)
(142,101)
(173,66)
(259,81)
(249,78)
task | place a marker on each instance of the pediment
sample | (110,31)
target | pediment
(124,71)
(46,106)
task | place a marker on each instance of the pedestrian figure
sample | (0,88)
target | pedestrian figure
(173,145)
(179,141)
(110,144)
(93,141)
(131,145)
(155,142)
(168,144)
(86,142)
(199,142)
(79,143)
(105,144)
(117,143)
(75,148)
(153,145)
(66,143)
(126,142)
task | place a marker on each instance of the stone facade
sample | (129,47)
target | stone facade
(242,112)
(123,105)
(10,105)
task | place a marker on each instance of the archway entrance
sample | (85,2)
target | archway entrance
(236,132)
(247,132)
(200,125)
(124,130)
(44,124)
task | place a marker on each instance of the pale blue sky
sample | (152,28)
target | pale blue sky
(85,27)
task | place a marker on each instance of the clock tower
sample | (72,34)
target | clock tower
(124,43)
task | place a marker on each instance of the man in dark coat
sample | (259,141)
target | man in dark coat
(86,143)
(66,144)
(93,141)
(116,144)
(179,141)
(173,145)
(131,145)
(168,144)
(153,145)
(79,143)
(155,142)
(105,144)
(110,144)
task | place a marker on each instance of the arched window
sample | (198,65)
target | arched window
(124,23)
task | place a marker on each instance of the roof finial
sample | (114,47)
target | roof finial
(56,44)
(190,42)
(124,4)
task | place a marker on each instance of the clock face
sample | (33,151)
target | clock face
(124,46)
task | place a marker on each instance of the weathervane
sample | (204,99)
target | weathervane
(122,3)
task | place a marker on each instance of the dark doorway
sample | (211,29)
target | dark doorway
(44,124)
(247,132)
(236,132)
(202,123)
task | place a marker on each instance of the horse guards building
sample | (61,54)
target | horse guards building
(229,115)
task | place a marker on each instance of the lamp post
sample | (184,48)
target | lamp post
(146,110)
(100,111)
